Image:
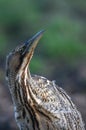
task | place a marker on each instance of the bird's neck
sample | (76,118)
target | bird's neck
(17,83)
(14,76)
(11,78)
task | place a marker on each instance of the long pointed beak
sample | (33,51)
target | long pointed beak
(32,43)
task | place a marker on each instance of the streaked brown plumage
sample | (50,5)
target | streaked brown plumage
(39,104)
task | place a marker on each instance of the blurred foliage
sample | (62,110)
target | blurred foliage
(37,64)
(60,54)
(64,39)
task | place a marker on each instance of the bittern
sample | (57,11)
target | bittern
(39,104)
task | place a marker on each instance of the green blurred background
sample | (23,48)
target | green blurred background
(60,55)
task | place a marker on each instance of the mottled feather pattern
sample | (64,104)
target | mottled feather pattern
(39,104)
(55,101)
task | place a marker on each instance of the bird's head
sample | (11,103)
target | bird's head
(20,57)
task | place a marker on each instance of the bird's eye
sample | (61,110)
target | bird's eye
(21,49)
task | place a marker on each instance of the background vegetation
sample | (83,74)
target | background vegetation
(61,53)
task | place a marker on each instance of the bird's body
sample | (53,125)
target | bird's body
(39,104)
